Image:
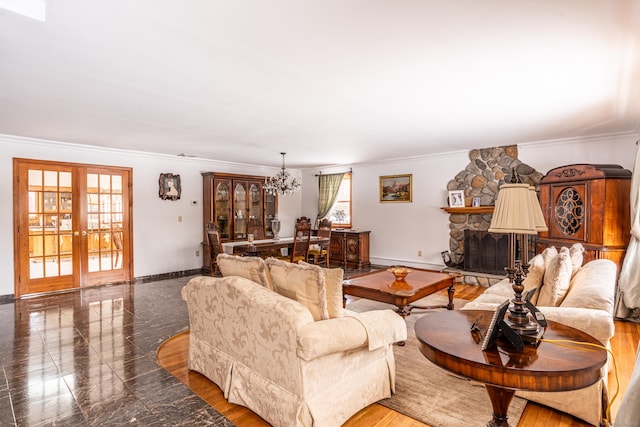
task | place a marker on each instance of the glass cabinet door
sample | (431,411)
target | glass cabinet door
(223,207)
(255,202)
(270,210)
(255,226)
(241,208)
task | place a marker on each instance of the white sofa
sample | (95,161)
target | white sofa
(268,353)
(581,296)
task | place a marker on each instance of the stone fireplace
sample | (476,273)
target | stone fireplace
(488,168)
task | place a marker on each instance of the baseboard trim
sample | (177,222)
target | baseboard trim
(166,276)
(7,299)
(10,298)
(414,264)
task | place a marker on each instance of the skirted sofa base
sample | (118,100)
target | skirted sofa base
(266,352)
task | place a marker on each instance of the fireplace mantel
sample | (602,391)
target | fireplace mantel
(479,210)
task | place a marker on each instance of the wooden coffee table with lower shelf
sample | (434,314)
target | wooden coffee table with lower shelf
(382,286)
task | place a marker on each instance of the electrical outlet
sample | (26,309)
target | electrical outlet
(197,253)
(419,253)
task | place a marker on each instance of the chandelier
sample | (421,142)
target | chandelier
(282,183)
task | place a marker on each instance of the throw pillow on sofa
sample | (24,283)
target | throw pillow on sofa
(549,255)
(333,284)
(303,283)
(249,267)
(537,267)
(536,273)
(557,279)
(577,257)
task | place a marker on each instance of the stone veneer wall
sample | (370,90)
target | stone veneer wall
(487,170)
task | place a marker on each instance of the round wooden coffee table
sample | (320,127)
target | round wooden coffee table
(445,338)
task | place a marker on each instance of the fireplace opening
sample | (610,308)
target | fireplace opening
(485,252)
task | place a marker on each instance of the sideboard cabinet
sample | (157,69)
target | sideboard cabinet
(349,249)
(239,206)
(588,204)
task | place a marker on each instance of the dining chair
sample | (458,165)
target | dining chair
(215,247)
(320,251)
(303,218)
(301,240)
(117,243)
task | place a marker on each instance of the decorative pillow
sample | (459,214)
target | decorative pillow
(593,286)
(549,255)
(303,283)
(557,278)
(536,273)
(537,268)
(333,284)
(577,257)
(249,267)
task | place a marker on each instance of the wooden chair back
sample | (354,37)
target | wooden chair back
(215,247)
(321,255)
(303,218)
(324,228)
(117,243)
(301,240)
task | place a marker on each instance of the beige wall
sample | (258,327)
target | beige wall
(398,230)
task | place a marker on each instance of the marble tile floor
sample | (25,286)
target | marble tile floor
(88,358)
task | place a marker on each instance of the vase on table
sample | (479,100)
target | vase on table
(275,227)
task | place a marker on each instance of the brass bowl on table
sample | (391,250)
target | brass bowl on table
(400,272)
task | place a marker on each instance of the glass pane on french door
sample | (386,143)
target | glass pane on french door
(50,223)
(104,222)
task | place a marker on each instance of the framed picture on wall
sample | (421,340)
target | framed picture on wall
(456,199)
(170,187)
(396,188)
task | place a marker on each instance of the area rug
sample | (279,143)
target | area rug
(428,393)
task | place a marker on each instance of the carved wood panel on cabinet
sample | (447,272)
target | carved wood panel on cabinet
(587,204)
(349,249)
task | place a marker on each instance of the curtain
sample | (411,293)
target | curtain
(628,298)
(329,185)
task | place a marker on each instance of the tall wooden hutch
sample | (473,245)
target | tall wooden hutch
(239,206)
(588,204)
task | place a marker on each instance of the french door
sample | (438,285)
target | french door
(72,226)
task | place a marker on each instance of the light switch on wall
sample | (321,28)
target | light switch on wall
(179,218)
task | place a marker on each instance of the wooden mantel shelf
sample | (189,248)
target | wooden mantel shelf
(480,210)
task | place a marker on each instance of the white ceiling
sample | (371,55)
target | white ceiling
(327,81)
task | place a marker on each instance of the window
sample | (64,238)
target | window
(341,213)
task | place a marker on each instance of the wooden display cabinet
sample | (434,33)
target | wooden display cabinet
(588,204)
(239,206)
(349,249)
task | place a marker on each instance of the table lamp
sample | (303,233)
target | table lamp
(517,212)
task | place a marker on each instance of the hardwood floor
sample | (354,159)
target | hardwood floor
(173,356)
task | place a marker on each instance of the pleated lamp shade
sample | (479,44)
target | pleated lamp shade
(537,211)
(514,212)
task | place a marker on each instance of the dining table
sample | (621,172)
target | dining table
(266,247)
